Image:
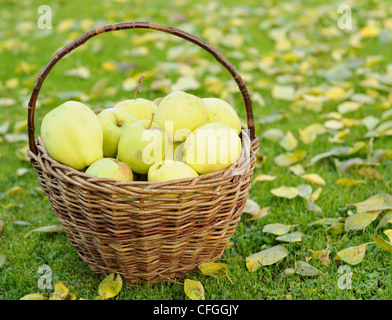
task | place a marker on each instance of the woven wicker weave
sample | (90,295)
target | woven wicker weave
(131,228)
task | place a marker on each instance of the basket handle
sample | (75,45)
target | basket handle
(133,25)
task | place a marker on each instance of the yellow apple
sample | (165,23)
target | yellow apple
(179,113)
(212,147)
(168,170)
(72,135)
(221,111)
(141,145)
(110,168)
(139,107)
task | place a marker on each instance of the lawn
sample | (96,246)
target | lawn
(316,88)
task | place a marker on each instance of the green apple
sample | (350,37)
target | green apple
(113,122)
(141,145)
(179,113)
(221,111)
(110,168)
(139,107)
(168,170)
(72,135)
(178,152)
(212,147)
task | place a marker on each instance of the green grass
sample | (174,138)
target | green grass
(19,274)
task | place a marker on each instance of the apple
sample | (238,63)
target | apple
(178,152)
(168,170)
(141,108)
(179,113)
(113,122)
(221,111)
(72,135)
(212,147)
(110,168)
(141,145)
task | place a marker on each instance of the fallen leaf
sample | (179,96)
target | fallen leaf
(389,234)
(382,201)
(314,178)
(194,289)
(360,221)
(369,173)
(251,207)
(261,214)
(265,177)
(283,92)
(347,182)
(81,72)
(33,296)
(277,228)
(369,31)
(322,255)
(47,229)
(304,191)
(305,269)
(266,257)
(288,159)
(213,269)
(285,192)
(287,273)
(2,259)
(60,292)
(382,244)
(273,134)
(309,134)
(348,106)
(337,228)
(315,195)
(288,142)
(352,255)
(110,286)
(386,218)
(14,191)
(297,169)
(312,207)
(291,237)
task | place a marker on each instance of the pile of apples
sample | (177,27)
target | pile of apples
(175,137)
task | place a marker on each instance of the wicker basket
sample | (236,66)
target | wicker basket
(128,228)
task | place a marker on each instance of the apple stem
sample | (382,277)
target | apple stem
(139,86)
(117,159)
(152,119)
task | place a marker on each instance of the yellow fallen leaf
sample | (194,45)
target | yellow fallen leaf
(288,142)
(60,292)
(348,106)
(194,289)
(314,178)
(335,93)
(310,133)
(213,269)
(369,32)
(347,182)
(33,296)
(266,257)
(352,255)
(110,286)
(108,66)
(287,159)
(265,177)
(14,191)
(285,192)
(315,195)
